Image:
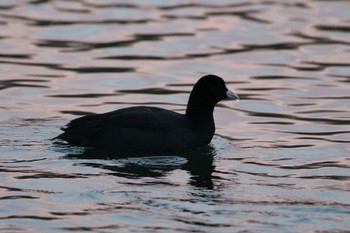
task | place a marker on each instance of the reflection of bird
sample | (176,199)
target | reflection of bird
(197,162)
(151,129)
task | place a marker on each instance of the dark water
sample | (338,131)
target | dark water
(281,155)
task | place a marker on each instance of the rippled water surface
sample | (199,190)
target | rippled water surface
(279,161)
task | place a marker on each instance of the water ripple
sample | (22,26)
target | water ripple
(297,118)
(279,159)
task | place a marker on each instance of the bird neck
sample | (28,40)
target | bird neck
(200,106)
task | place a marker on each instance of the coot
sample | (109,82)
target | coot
(150,129)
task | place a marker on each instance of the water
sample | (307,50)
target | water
(281,155)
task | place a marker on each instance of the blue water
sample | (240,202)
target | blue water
(279,161)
